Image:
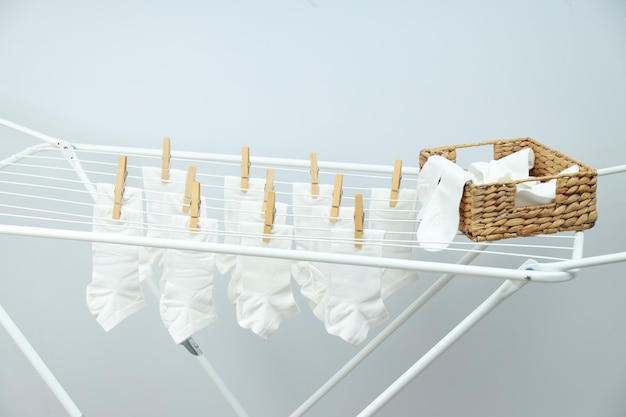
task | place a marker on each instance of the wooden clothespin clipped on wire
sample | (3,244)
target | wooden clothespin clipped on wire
(395,182)
(269,187)
(336,202)
(166,160)
(194,206)
(120,184)
(270,212)
(245,168)
(191,178)
(359,220)
(315,187)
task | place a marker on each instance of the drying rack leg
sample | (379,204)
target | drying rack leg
(195,350)
(505,290)
(39,365)
(384,334)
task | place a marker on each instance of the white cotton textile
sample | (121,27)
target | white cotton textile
(233,197)
(250,212)
(302,208)
(186,303)
(440,212)
(266,299)
(316,278)
(399,225)
(163,200)
(114,293)
(355,304)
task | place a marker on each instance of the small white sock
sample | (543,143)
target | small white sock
(315,289)
(429,177)
(399,225)
(114,293)
(163,200)
(133,198)
(302,205)
(250,213)
(440,215)
(266,299)
(186,303)
(233,197)
(355,304)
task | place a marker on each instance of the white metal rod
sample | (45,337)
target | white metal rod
(39,365)
(23,154)
(383,335)
(235,159)
(208,368)
(221,386)
(584,262)
(502,293)
(30,132)
(424,266)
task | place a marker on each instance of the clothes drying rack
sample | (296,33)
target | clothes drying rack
(48,191)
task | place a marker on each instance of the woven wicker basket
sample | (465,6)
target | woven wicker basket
(488,211)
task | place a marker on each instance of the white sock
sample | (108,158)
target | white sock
(512,167)
(355,304)
(186,303)
(233,197)
(315,289)
(266,299)
(429,177)
(532,193)
(163,200)
(250,212)
(302,205)
(440,215)
(114,293)
(399,225)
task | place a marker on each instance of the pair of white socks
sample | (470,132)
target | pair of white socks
(264,295)
(233,199)
(186,303)
(399,225)
(164,199)
(354,303)
(114,293)
(440,186)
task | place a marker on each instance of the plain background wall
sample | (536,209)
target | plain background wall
(356,81)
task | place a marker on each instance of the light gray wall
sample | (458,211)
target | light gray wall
(357,81)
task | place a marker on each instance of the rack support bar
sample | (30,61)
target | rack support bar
(503,292)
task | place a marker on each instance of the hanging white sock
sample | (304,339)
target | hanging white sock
(233,197)
(440,215)
(302,204)
(399,225)
(186,303)
(266,299)
(429,177)
(114,293)
(315,289)
(133,198)
(355,304)
(250,212)
(163,200)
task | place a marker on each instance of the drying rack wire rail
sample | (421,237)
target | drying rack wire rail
(48,190)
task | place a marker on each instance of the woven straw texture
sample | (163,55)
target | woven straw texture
(488,211)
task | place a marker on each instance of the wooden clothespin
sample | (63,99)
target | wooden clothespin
(269,215)
(120,184)
(395,182)
(315,188)
(337,192)
(359,219)
(269,186)
(194,206)
(245,168)
(165,160)
(191,178)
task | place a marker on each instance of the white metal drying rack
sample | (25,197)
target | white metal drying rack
(541,259)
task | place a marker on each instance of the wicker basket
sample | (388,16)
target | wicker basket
(488,211)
